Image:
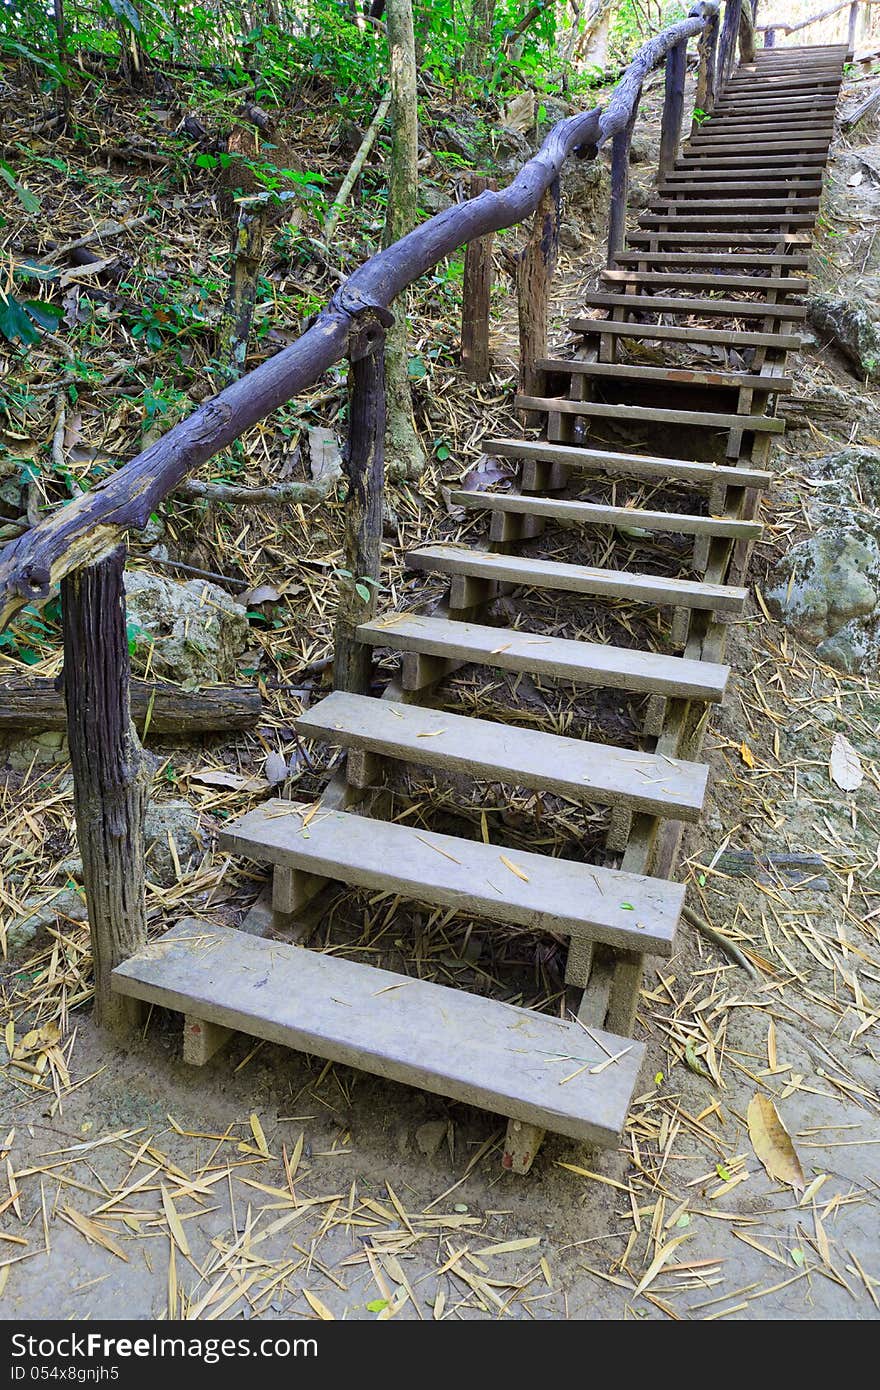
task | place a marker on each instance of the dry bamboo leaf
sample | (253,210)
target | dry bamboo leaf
(845,765)
(259,1136)
(234,781)
(507,1247)
(772,1142)
(92,1231)
(659,1260)
(514,868)
(318,1307)
(174,1223)
(747,755)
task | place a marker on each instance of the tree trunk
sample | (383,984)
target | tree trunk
(405,455)
(27,703)
(238,314)
(480,36)
(61,44)
(109,774)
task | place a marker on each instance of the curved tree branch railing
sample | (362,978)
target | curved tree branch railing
(81,544)
(90,527)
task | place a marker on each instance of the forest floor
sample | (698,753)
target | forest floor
(270,1185)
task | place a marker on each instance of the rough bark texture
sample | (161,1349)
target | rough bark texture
(673,106)
(405,454)
(364,470)
(238,314)
(475,298)
(109,770)
(91,526)
(534,276)
(620,185)
(38,705)
(480,36)
(704,97)
(727,41)
(746,33)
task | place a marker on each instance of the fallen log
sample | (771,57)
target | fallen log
(28,704)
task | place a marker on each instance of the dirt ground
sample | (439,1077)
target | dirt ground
(271,1185)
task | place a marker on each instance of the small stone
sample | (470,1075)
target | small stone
(430,1136)
(181,821)
(41,913)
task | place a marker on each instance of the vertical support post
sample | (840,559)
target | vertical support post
(364,467)
(476,297)
(704,97)
(109,773)
(620,185)
(673,107)
(769,38)
(746,33)
(727,42)
(853,25)
(535,270)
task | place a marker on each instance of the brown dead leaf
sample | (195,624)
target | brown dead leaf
(772,1142)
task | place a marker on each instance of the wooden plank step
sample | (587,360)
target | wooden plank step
(735,144)
(629,465)
(669,304)
(692,334)
(570,767)
(670,221)
(557,895)
(734,238)
(596,514)
(579,579)
(695,258)
(514,649)
(786,122)
(689,205)
(699,174)
(787,119)
(790,105)
(768,162)
(475,1050)
(676,188)
(650,414)
(679,376)
(789,284)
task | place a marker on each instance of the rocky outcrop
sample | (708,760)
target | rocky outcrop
(847,322)
(190,633)
(827,588)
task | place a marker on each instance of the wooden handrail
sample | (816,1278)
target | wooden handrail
(91,527)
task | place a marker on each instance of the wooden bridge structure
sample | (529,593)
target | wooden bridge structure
(718,258)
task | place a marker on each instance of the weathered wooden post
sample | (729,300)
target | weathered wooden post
(769,38)
(727,42)
(364,467)
(476,297)
(673,107)
(110,774)
(704,96)
(853,25)
(535,270)
(620,144)
(746,33)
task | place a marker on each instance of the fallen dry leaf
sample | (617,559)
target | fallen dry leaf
(845,765)
(747,755)
(772,1142)
(235,781)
